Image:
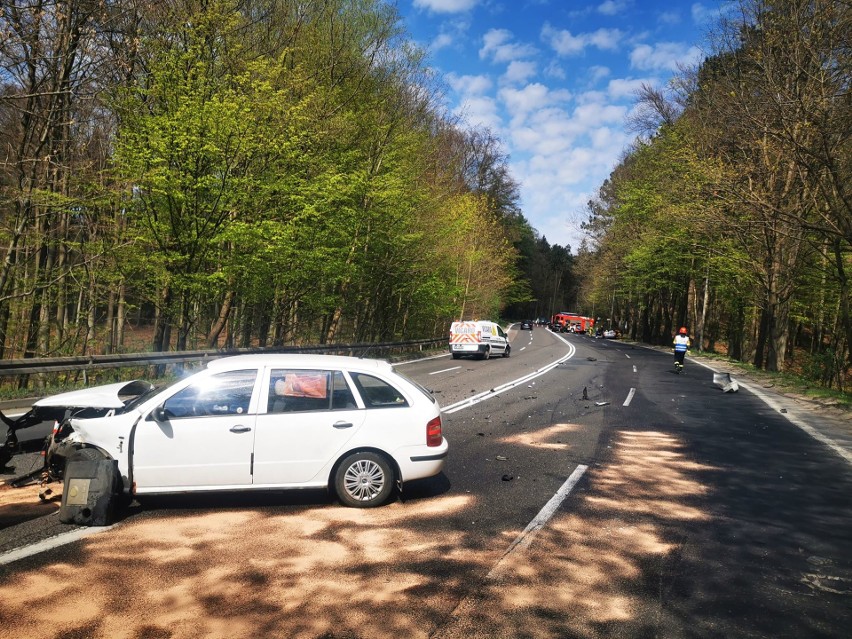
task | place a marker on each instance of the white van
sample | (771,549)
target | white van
(482,339)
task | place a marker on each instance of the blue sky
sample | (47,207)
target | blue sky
(555,80)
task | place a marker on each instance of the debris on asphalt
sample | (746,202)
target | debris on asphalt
(724,381)
(601,403)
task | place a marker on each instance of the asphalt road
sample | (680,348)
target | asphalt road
(590,492)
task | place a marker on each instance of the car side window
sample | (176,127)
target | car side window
(308,390)
(227,393)
(377,393)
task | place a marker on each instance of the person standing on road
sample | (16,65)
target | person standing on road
(681,347)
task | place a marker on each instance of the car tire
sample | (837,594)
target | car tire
(364,480)
(508,351)
(456,355)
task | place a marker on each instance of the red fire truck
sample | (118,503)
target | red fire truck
(572,322)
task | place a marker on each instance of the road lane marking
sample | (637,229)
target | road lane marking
(810,430)
(627,356)
(629,397)
(800,423)
(446,370)
(523,540)
(634,368)
(49,544)
(493,392)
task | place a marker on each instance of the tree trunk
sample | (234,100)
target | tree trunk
(221,320)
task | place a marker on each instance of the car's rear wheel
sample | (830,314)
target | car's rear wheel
(364,480)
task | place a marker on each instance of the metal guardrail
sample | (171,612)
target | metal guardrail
(15,367)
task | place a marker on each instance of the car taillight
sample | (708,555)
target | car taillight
(433,432)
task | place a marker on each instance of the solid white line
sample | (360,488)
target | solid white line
(525,538)
(446,370)
(629,397)
(810,430)
(481,397)
(49,544)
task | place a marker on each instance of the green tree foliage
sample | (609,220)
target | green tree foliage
(731,217)
(251,172)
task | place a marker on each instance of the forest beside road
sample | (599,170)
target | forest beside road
(590,492)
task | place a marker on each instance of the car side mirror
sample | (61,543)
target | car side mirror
(159,414)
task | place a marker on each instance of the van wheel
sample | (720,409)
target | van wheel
(456,355)
(364,480)
(507,351)
(486,354)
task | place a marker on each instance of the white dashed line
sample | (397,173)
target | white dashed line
(634,368)
(629,397)
(446,370)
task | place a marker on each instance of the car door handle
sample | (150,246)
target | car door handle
(240,429)
(341,425)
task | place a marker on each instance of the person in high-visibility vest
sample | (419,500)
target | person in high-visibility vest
(681,347)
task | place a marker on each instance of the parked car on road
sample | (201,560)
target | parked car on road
(610,334)
(527,325)
(353,426)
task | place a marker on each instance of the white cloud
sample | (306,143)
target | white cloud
(598,73)
(623,88)
(669,17)
(441,42)
(702,14)
(611,7)
(663,56)
(468,85)
(533,97)
(498,45)
(519,102)
(555,70)
(445,6)
(519,71)
(480,111)
(565,43)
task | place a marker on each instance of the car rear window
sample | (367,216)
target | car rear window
(377,393)
(418,386)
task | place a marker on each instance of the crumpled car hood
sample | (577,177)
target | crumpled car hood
(106,396)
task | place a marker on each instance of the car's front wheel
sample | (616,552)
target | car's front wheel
(364,480)
(508,351)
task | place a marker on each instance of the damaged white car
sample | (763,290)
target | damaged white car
(353,426)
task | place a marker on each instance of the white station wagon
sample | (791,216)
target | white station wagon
(354,426)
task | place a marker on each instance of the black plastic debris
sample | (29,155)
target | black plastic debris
(88,494)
